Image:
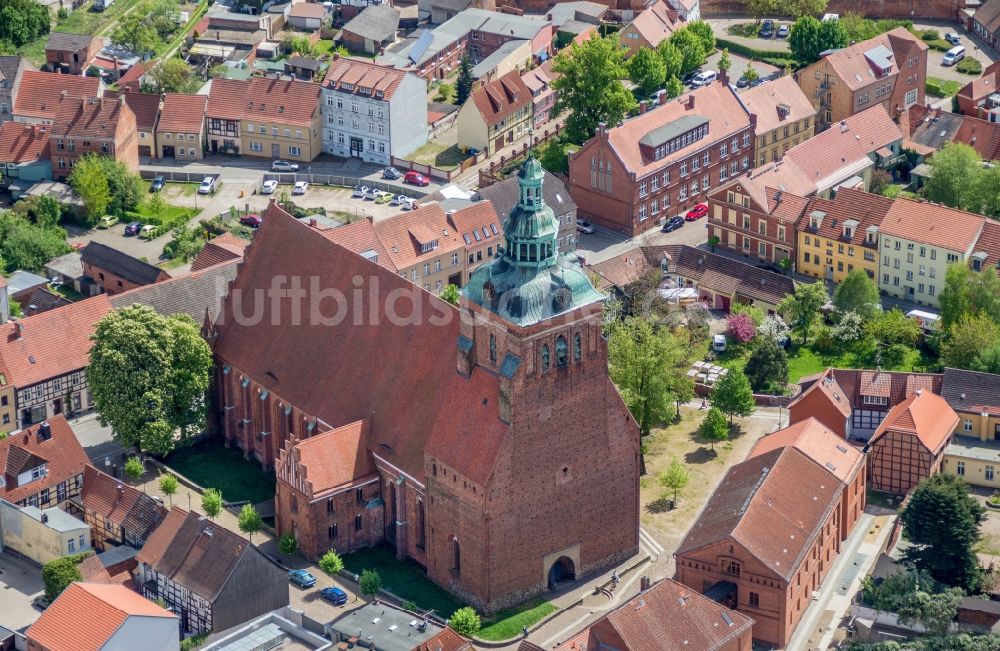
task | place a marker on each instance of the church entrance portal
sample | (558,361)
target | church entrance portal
(562,570)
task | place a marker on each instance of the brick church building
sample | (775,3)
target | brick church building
(487,443)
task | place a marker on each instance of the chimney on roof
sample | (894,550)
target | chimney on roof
(44,431)
(45,518)
(919,391)
(690,102)
(843,126)
(63,94)
(370,218)
(121,99)
(313,223)
(18,330)
(645,583)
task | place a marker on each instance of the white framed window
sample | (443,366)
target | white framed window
(256,146)
(642,212)
(705,183)
(294,151)
(967,425)
(654,207)
(911,97)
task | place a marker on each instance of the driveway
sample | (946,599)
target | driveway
(312,604)
(20,582)
(602,244)
(974,49)
(114,237)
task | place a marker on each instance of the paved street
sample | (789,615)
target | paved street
(601,244)
(20,582)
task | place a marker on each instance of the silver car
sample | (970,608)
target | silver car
(268,187)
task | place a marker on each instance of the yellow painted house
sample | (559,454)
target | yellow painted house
(974,452)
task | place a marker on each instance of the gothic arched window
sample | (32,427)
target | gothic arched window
(562,352)
(545,357)
(577,348)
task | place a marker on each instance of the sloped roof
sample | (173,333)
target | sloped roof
(403,234)
(106,495)
(376,22)
(446,640)
(501,97)
(717,102)
(182,113)
(971,391)
(929,130)
(831,389)
(988,15)
(933,224)
(336,457)
(360,237)
(43,299)
(507,193)
(146,107)
(989,243)
(72,42)
(129,81)
(856,69)
(21,451)
(10,64)
(773,505)
(23,143)
(50,344)
(817,442)
(83,117)
(266,99)
(223,248)
(779,189)
(777,103)
(120,263)
(195,294)
(655,24)
(925,414)
(363,74)
(442,406)
(86,616)
(623,269)
(93,571)
(863,207)
(308,10)
(721,272)
(39,94)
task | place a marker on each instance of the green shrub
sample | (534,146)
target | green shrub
(970,66)
(940,45)
(746,30)
(752,52)
(59,573)
(824,342)
(929,35)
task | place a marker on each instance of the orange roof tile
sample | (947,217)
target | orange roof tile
(39,93)
(360,237)
(146,107)
(158,542)
(656,23)
(989,243)
(61,452)
(778,103)
(835,394)
(501,97)
(817,442)
(220,249)
(764,184)
(182,113)
(93,571)
(856,70)
(446,640)
(933,224)
(403,234)
(865,208)
(107,496)
(265,99)
(925,414)
(363,74)
(335,458)
(308,10)
(623,269)
(87,615)
(93,117)
(23,143)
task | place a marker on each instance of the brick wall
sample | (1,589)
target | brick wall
(310,521)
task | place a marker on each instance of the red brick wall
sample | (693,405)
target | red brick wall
(113,284)
(720,227)
(310,521)
(817,405)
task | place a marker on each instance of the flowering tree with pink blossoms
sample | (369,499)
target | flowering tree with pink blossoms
(741,327)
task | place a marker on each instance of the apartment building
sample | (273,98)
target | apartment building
(785,117)
(372,112)
(888,70)
(841,234)
(973,451)
(40,93)
(663,161)
(12,69)
(919,240)
(495,115)
(269,118)
(543,95)
(180,131)
(652,26)
(92,125)
(42,465)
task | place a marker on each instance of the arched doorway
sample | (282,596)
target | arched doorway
(562,570)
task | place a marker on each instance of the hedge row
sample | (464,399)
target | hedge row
(970,66)
(751,52)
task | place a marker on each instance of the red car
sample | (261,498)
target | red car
(416,178)
(697,212)
(253,221)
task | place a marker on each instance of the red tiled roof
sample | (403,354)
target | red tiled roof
(446,640)
(865,208)
(408,361)
(716,102)
(360,237)
(925,414)
(763,185)
(107,496)
(623,269)
(989,243)
(854,68)
(220,249)
(933,224)
(182,113)
(817,442)
(835,394)
(130,80)
(157,543)
(86,616)
(61,452)
(23,143)
(308,10)
(335,458)
(50,344)
(93,117)
(146,107)
(988,15)
(764,101)
(363,75)
(403,234)
(656,23)
(852,140)
(264,99)
(39,93)
(92,570)
(501,97)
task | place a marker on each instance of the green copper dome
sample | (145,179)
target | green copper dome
(529,281)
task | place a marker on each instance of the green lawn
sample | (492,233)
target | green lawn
(440,155)
(323,46)
(170,218)
(509,623)
(942,87)
(404,579)
(70,294)
(212,465)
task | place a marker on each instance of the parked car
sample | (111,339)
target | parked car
(689,77)
(704,78)
(672,224)
(953,38)
(782,31)
(742,82)
(383,197)
(284,166)
(133,228)
(300,187)
(301,578)
(766,29)
(409,204)
(268,187)
(584,226)
(107,221)
(391,173)
(655,97)
(371,193)
(953,56)
(253,221)
(719,343)
(697,212)
(399,200)
(207,185)
(359,191)
(40,602)
(158,183)
(149,232)
(336,596)
(416,178)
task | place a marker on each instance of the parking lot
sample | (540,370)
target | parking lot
(312,604)
(602,244)
(20,582)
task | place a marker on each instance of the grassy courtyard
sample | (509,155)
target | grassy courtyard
(403,578)
(441,155)
(509,623)
(210,464)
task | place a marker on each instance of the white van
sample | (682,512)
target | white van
(928,321)
(704,78)
(954,55)
(719,343)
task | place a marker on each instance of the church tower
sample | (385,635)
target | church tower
(565,488)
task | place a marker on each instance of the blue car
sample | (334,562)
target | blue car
(302,578)
(336,596)
(133,228)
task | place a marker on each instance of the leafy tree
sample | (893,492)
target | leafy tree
(849,329)
(174,76)
(725,63)
(969,292)
(648,366)
(691,47)
(988,361)
(858,293)
(298,45)
(149,374)
(156,204)
(756,314)
(954,171)
(57,574)
(590,86)
(134,33)
(465,621)
(168,486)
(760,8)
(647,71)
(802,308)
(880,181)
(713,241)
(27,246)
(674,478)
(287,544)
(371,582)
(987,192)
(450,293)
(704,32)
(714,427)
(935,611)
(942,522)
(211,502)
(90,181)
(809,37)
(673,58)
(552,156)
(42,210)
(331,563)
(891,334)
(895,590)
(973,335)
(22,21)
(674,87)
(741,327)
(750,73)
(250,521)
(767,366)
(832,34)
(773,327)
(463,87)
(733,395)
(134,468)
(127,188)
